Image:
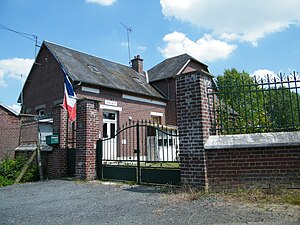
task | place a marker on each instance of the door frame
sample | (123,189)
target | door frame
(110,134)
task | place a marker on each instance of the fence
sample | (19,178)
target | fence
(155,143)
(258,104)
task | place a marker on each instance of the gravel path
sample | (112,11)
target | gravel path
(69,202)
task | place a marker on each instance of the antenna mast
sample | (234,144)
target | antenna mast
(128,43)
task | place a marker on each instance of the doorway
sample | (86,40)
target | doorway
(110,119)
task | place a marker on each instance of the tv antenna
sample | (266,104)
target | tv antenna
(31,37)
(128,29)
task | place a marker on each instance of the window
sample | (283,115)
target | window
(156,119)
(94,69)
(109,116)
(40,112)
(112,129)
(40,109)
(105,130)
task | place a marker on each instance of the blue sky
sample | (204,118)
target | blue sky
(258,36)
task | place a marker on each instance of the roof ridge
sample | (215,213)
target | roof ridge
(166,61)
(85,53)
(171,67)
(110,75)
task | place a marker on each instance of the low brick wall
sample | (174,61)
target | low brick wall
(233,166)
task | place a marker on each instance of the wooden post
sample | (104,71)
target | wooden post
(25,167)
(39,160)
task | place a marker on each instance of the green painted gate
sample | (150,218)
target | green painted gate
(140,152)
(71,159)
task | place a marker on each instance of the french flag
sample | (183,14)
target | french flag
(70,99)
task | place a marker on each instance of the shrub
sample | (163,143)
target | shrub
(32,174)
(5,182)
(10,169)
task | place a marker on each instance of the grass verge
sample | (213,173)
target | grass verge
(252,195)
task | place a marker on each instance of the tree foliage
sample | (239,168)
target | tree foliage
(247,105)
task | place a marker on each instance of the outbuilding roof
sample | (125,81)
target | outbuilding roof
(10,110)
(171,67)
(90,69)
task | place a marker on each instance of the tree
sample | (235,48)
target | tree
(241,106)
(248,105)
(283,108)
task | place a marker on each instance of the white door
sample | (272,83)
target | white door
(109,131)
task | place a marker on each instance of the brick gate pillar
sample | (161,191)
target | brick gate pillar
(58,157)
(193,124)
(87,133)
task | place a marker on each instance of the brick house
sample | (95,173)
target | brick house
(118,88)
(9,131)
(109,95)
(163,78)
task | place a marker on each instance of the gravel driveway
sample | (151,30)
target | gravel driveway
(70,202)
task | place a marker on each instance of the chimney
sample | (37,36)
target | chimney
(137,64)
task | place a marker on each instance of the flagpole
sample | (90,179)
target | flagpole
(67,135)
(69,103)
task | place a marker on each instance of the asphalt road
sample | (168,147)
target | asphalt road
(70,202)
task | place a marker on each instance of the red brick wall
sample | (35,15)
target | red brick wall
(45,84)
(259,167)
(193,124)
(87,135)
(9,133)
(134,109)
(168,88)
(29,132)
(57,159)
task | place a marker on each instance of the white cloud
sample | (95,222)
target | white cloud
(141,48)
(102,2)
(263,73)
(262,76)
(2,81)
(124,44)
(205,49)
(235,19)
(15,67)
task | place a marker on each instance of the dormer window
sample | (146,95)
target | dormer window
(93,69)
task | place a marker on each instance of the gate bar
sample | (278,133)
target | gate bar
(99,147)
(138,153)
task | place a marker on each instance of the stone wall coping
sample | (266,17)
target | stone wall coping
(253,140)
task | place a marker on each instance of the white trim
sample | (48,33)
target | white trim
(146,100)
(180,71)
(39,107)
(109,107)
(58,102)
(156,114)
(89,89)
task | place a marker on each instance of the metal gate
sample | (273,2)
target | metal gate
(140,152)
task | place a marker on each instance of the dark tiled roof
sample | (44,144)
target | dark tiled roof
(93,70)
(170,67)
